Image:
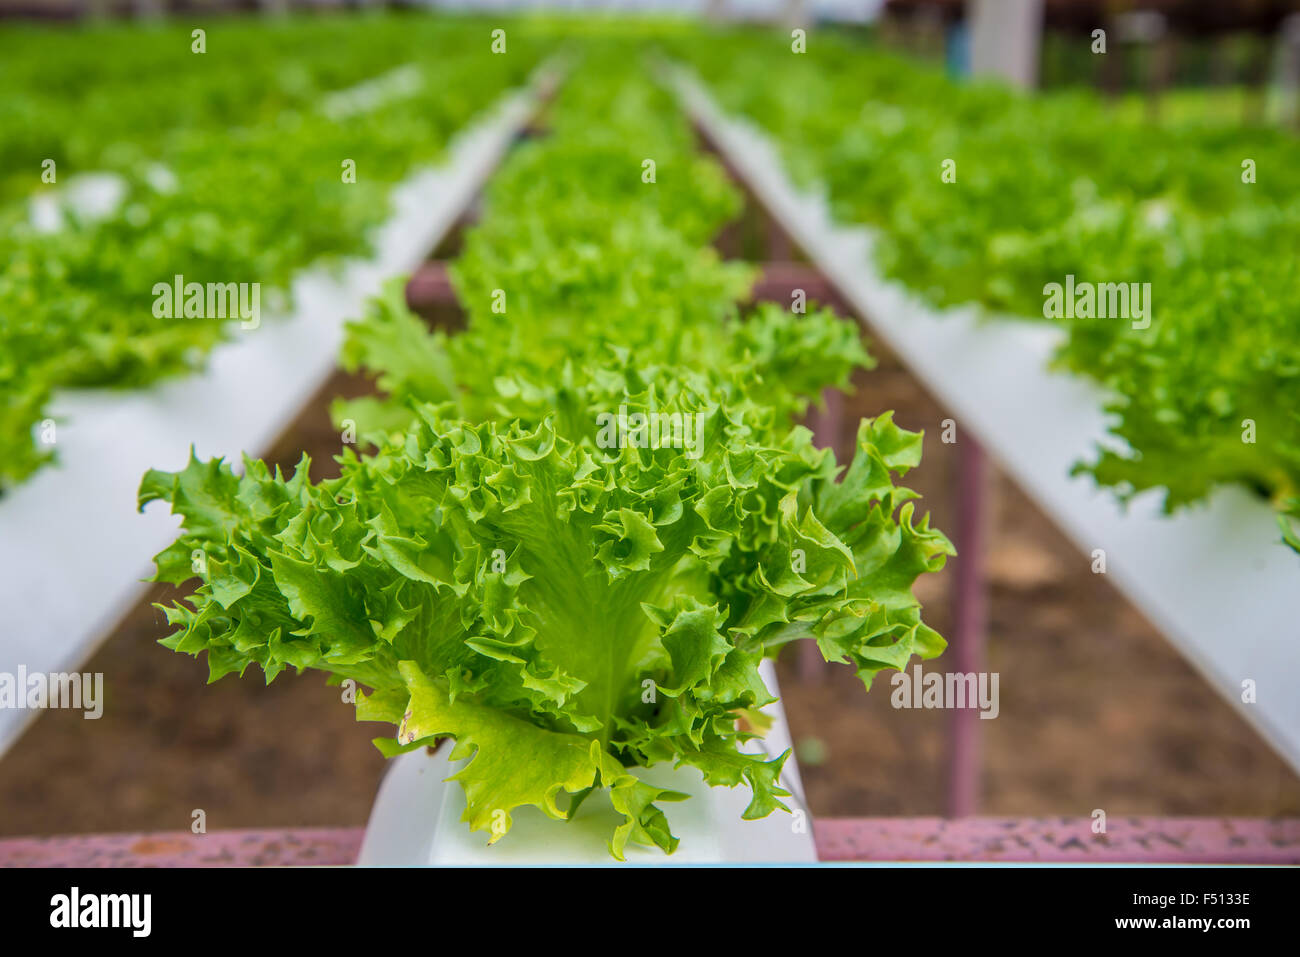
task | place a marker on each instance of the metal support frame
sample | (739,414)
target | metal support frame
(1005,36)
(970,620)
(1059,840)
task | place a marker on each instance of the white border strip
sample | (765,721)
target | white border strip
(73,550)
(1212,578)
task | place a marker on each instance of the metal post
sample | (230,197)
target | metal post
(795,14)
(969,613)
(1147,33)
(1288,57)
(1005,36)
(1255,78)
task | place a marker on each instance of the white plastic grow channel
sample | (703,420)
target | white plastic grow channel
(416,819)
(73,550)
(1213,578)
(92,196)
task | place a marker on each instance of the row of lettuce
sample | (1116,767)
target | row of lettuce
(113,97)
(575,527)
(241,164)
(982,195)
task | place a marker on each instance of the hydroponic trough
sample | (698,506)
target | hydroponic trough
(79,516)
(993,373)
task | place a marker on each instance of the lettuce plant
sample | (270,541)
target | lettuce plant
(566,613)
(581,524)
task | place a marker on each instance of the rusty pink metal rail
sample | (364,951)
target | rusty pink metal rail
(970,622)
(430,285)
(1131,840)
(242,848)
(1061,840)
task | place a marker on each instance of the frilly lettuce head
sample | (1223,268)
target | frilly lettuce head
(563,596)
